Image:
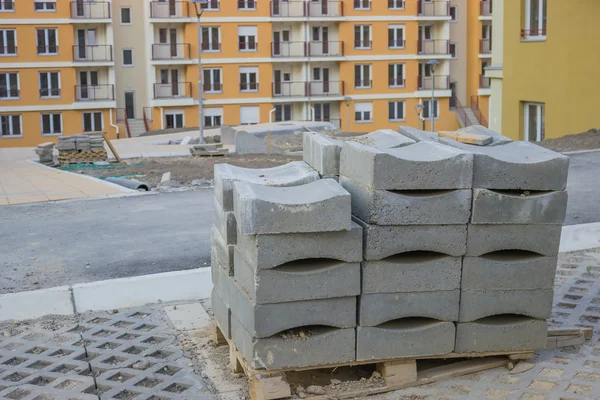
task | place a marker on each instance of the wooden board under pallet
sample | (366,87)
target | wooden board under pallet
(397,373)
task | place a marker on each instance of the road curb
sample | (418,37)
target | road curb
(580,237)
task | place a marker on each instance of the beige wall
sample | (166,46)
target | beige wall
(131,36)
(458,36)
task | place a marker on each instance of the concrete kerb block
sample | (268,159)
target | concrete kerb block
(221,253)
(298,280)
(290,174)
(35,304)
(508,271)
(420,166)
(411,338)
(418,135)
(384,241)
(522,207)
(268,251)
(321,206)
(412,272)
(322,153)
(502,333)
(221,312)
(383,139)
(225,223)
(409,207)
(377,309)
(540,239)
(478,304)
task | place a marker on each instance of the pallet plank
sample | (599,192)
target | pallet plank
(269,388)
(398,372)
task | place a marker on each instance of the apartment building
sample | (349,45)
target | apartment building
(56,70)
(479,57)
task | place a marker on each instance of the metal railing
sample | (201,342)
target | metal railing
(50,92)
(169,9)
(434,46)
(47,50)
(325,8)
(211,46)
(363,44)
(485,46)
(484,82)
(396,43)
(528,33)
(436,8)
(363,83)
(304,49)
(171,51)
(485,8)
(216,87)
(462,114)
(477,111)
(83,9)
(94,92)
(146,119)
(296,8)
(248,86)
(396,82)
(441,82)
(289,49)
(9,50)
(122,119)
(327,48)
(289,89)
(83,52)
(9,93)
(325,88)
(247,46)
(172,90)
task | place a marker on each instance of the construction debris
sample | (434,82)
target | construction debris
(81,149)
(45,152)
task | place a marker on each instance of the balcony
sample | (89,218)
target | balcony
(90,10)
(288,49)
(325,88)
(300,9)
(436,8)
(442,82)
(174,90)
(94,92)
(171,51)
(289,89)
(92,52)
(485,8)
(484,82)
(441,46)
(324,49)
(169,9)
(485,46)
(307,49)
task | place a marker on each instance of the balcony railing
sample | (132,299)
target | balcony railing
(436,8)
(477,111)
(485,46)
(363,44)
(9,49)
(169,9)
(172,90)
(484,82)
(49,92)
(94,92)
(296,8)
(327,48)
(533,33)
(441,82)
(9,93)
(82,9)
(216,87)
(248,86)
(363,83)
(211,46)
(289,89)
(485,8)
(441,46)
(170,51)
(82,52)
(289,49)
(396,82)
(47,50)
(325,88)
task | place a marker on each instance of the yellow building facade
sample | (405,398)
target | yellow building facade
(56,70)
(479,56)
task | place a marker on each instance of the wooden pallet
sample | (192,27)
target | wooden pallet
(82,157)
(397,373)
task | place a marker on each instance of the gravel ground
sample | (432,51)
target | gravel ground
(583,141)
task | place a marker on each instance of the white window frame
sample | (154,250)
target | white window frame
(253,122)
(123,58)
(45,5)
(424,29)
(210,42)
(539,134)
(130,16)
(283,107)
(363,68)
(363,30)
(396,29)
(3,6)
(455,17)
(246,39)
(10,126)
(396,4)
(49,73)
(3,32)
(210,3)
(212,79)
(395,118)
(365,105)
(94,127)
(212,113)
(362,4)
(47,45)
(248,71)
(245,5)
(542,20)
(9,97)
(52,128)
(403,68)
(427,109)
(174,113)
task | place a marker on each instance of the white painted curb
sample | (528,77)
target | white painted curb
(580,237)
(36,303)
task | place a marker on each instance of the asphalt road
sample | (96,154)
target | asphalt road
(53,244)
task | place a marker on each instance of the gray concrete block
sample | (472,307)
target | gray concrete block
(376,309)
(412,272)
(384,241)
(322,153)
(317,346)
(518,207)
(541,239)
(225,223)
(264,320)
(409,207)
(221,254)
(420,166)
(268,251)
(321,206)
(221,312)
(382,139)
(418,135)
(298,280)
(502,333)
(225,286)
(290,174)
(509,270)
(413,337)
(477,304)
(228,135)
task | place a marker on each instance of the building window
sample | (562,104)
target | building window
(396,75)
(362,4)
(362,36)
(247,38)
(211,38)
(8,42)
(92,121)
(248,79)
(363,112)
(212,80)
(453,50)
(396,111)
(10,125)
(44,5)
(283,112)
(9,85)
(125,15)
(49,84)
(427,109)
(396,4)
(7,5)
(211,5)
(396,36)
(322,111)
(213,117)
(128,57)
(174,120)
(535,123)
(535,20)
(249,115)
(246,4)
(425,32)
(453,10)
(51,124)
(362,76)
(47,41)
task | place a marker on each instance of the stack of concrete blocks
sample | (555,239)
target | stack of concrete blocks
(96,143)
(45,153)
(414,204)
